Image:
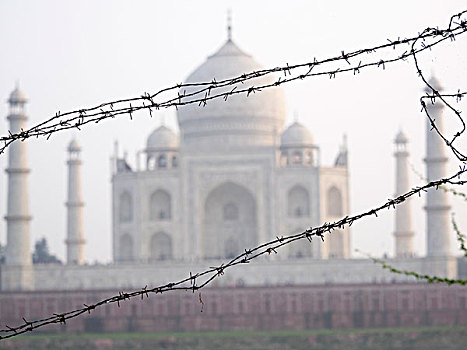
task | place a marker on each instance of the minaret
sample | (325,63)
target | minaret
(18,251)
(437,206)
(75,228)
(403,233)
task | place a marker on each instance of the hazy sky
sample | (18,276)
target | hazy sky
(74,54)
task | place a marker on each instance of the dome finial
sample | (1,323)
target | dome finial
(295,116)
(229,25)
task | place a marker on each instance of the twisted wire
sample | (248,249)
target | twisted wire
(75,119)
(207,91)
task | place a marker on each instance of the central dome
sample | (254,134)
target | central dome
(240,121)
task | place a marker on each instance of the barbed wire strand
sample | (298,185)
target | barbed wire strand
(450,190)
(460,237)
(81,117)
(190,283)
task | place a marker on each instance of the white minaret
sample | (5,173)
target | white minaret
(437,206)
(403,233)
(75,228)
(18,251)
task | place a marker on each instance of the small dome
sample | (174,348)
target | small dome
(17,97)
(296,135)
(401,137)
(74,146)
(162,138)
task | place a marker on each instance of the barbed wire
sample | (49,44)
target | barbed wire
(207,90)
(437,95)
(429,278)
(450,190)
(460,237)
(189,283)
(96,114)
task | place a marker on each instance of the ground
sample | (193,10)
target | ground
(452,338)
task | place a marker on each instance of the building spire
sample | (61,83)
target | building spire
(75,226)
(229,25)
(344,143)
(437,205)
(341,159)
(403,233)
(439,257)
(18,254)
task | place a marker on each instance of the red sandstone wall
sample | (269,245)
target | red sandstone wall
(258,308)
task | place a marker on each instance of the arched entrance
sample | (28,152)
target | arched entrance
(161,247)
(229,222)
(126,248)
(298,202)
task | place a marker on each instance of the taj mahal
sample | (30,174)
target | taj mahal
(233,177)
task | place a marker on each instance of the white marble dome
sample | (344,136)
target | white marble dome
(240,121)
(296,135)
(162,138)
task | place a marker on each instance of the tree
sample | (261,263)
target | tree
(41,253)
(2,254)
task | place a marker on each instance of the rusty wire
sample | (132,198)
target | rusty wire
(78,118)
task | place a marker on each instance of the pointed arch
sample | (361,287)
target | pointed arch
(298,202)
(300,249)
(336,244)
(229,221)
(309,159)
(160,206)
(125,211)
(284,159)
(161,246)
(334,202)
(151,163)
(297,157)
(231,248)
(162,161)
(126,248)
